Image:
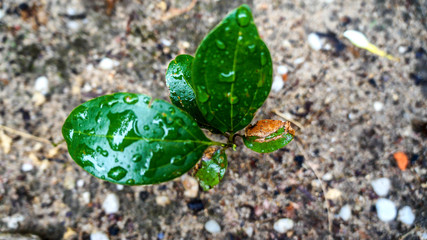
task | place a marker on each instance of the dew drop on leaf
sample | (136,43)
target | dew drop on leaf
(220,44)
(131,99)
(243,17)
(234,99)
(117,173)
(263,59)
(146,127)
(136,158)
(130,181)
(102,151)
(203,96)
(252,48)
(172,110)
(227,77)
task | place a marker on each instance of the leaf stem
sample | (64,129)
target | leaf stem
(29,136)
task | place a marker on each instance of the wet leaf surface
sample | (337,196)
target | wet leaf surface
(178,79)
(123,138)
(213,166)
(268,135)
(232,72)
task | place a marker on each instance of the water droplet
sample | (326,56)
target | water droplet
(117,173)
(102,151)
(122,129)
(243,17)
(131,99)
(177,161)
(252,48)
(263,59)
(233,99)
(227,77)
(130,181)
(209,117)
(203,96)
(146,127)
(204,110)
(136,158)
(172,110)
(220,44)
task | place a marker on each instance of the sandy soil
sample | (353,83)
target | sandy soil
(356,110)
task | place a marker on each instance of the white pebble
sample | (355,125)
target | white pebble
(191,186)
(98,236)
(249,231)
(212,226)
(26,167)
(402,49)
(381,186)
(166,42)
(314,41)
(80,183)
(119,187)
(406,215)
(282,69)
(13,221)
(85,198)
(378,106)
(162,200)
(298,61)
(73,25)
(111,204)
(345,212)
(1,13)
(386,209)
(327,177)
(42,85)
(277,84)
(283,225)
(108,63)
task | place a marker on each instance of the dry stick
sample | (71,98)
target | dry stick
(322,186)
(178,11)
(27,135)
(298,124)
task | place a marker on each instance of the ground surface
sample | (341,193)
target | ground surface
(347,140)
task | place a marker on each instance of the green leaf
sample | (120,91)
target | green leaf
(178,79)
(268,135)
(213,166)
(232,72)
(127,139)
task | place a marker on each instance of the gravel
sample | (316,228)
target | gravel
(386,210)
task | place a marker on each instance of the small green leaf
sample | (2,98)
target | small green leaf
(127,139)
(232,72)
(213,166)
(268,135)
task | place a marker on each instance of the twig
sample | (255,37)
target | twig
(410,232)
(26,135)
(298,124)
(322,186)
(174,12)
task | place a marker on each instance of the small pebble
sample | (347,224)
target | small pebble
(162,200)
(298,61)
(406,215)
(333,193)
(196,205)
(386,209)
(13,221)
(42,85)
(402,49)
(26,167)
(327,177)
(111,204)
(98,236)
(345,212)
(80,183)
(212,226)
(277,84)
(73,25)
(119,187)
(108,63)
(283,225)
(85,197)
(282,69)
(314,41)
(166,42)
(381,186)
(378,106)
(191,186)
(249,231)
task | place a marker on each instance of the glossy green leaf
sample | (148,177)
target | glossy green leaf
(232,72)
(212,169)
(128,139)
(268,135)
(178,79)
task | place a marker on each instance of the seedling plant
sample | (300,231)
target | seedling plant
(132,139)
